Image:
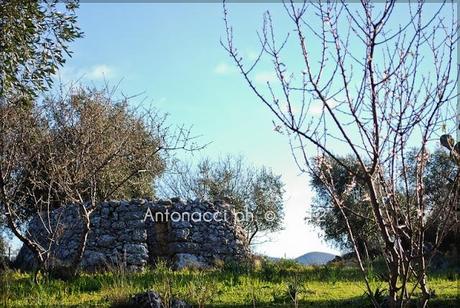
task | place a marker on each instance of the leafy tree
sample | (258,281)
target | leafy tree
(35,40)
(330,219)
(255,191)
(438,180)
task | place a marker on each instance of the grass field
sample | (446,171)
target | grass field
(268,285)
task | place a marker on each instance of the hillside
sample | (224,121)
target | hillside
(315,258)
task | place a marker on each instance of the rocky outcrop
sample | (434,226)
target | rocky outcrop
(137,233)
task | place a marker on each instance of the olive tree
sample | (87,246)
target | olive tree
(256,193)
(324,214)
(34,44)
(438,180)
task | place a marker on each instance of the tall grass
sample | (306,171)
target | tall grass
(270,284)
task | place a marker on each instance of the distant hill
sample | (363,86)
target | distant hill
(273,259)
(315,258)
(310,258)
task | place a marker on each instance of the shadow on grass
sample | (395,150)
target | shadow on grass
(347,303)
(352,302)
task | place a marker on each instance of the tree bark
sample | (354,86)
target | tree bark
(86,227)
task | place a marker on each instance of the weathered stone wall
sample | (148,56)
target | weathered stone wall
(140,232)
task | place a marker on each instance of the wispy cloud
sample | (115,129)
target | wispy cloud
(97,72)
(317,107)
(224,69)
(264,77)
(100,72)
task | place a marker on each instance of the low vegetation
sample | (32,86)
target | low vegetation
(284,283)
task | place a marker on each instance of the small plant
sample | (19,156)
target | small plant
(201,289)
(379,295)
(268,270)
(219,264)
(291,291)
(166,279)
(5,287)
(116,283)
(237,267)
(295,288)
(255,287)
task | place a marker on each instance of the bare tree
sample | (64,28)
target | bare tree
(371,84)
(79,148)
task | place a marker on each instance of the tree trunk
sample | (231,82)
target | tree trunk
(392,285)
(33,246)
(78,256)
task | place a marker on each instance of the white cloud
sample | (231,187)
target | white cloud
(100,72)
(264,77)
(317,107)
(69,74)
(224,69)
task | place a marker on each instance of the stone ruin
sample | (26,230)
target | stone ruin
(138,233)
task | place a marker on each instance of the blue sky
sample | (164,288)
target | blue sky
(171,54)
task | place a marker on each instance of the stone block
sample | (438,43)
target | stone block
(183,247)
(187,260)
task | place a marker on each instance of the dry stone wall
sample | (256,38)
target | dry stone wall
(138,233)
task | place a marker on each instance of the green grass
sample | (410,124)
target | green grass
(269,285)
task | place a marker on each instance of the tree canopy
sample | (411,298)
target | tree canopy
(256,190)
(438,179)
(34,43)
